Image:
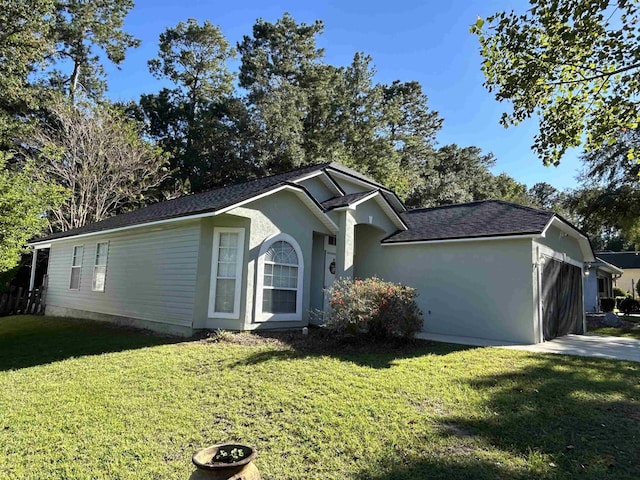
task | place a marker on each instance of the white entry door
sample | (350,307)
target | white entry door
(329,276)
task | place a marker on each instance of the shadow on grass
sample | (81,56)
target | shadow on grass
(359,350)
(27,341)
(447,468)
(581,416)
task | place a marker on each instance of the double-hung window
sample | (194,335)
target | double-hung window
(226,272)
(76,267)
(100,267)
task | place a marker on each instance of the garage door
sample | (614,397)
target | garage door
(561,298)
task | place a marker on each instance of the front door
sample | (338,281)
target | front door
(329,277)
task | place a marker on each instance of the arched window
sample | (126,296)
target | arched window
(279,282)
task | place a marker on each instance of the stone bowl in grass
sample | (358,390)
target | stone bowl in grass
(225,455)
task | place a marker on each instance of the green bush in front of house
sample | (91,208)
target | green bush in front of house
(373,307)
(607,304)
(618,292)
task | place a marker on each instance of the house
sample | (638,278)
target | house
(598,283)
(629,262)
(262,253)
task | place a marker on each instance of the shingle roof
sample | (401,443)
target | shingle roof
(477,219)
(621,259)
(345,200)
(209,201)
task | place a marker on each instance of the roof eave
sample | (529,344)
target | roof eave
(510,236)
(305,196)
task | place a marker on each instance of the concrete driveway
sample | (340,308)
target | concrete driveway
(616,348)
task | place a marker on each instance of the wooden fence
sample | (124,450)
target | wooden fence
(22,301)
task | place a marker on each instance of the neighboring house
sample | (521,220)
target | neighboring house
(598,283)
(629,262)
(261,254)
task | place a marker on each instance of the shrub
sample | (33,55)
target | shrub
(629,305)
(618,292)
(607,304)
(374,307)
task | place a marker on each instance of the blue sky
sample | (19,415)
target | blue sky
(428,41)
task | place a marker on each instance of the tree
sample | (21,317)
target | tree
(279,67)
(308,112)
(95,152)
(608,200)
(452,174)
(573,63)
(544,195)
(197,120)
(504,187)
(79,26)
(24,203)
(24,43)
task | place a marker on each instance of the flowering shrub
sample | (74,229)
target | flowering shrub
(373,306)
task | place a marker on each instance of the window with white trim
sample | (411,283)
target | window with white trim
(280,279)
(279,288)
(100,267)
(226,272)
(76,267)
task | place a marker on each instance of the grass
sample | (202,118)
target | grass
(83,401)
(630,330)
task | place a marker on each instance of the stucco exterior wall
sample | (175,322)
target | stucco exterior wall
(481,289)
(591,304)
(351,187)
(150,275)
(317,188)
(203,284)
(282,212)
(560,242)
(629,280)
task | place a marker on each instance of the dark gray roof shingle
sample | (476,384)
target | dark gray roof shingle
(209,201)
(345,200)
(477,219)
(621,259)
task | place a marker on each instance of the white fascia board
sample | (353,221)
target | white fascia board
(382,203)
(560,256)
(326,180)
(601,264)
(461,240)
(391,213)
(40,246)
(364,183)
(353,205)
(302,193)
(583,241)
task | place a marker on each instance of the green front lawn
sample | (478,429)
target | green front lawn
(82,401)
(633,332)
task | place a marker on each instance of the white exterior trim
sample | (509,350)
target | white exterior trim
(301,192)
(460,240)
(261,316)
(382,203)
(95,265)
(540,251)
(326,180)
(555,255)
(583,241)
(73,254)
(235,315)
(364,183)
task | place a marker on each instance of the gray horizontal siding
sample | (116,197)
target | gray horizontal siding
(150,275)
